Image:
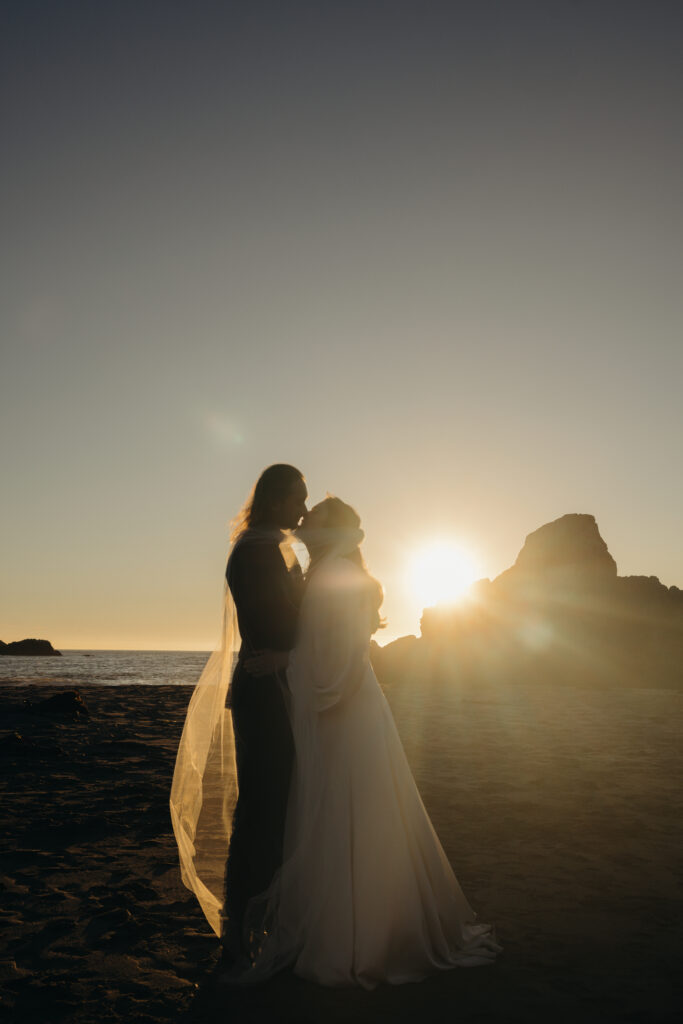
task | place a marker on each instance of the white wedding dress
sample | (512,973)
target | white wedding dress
(366,893)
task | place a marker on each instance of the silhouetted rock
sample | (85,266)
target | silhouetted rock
(30,648)
(69,704)
(560,613)
(394,660)
(649,588)
(573,540)
(567,553)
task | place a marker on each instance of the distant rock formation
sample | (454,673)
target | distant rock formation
(30,648)
(573,542)
(400,657)
(560,613)
(69,705)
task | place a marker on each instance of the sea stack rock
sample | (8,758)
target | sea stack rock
(560,613)
(571,540)
(30,648)
(567,551)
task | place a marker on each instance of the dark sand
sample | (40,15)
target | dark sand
(559,808)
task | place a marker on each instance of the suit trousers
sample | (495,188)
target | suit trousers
(264,751)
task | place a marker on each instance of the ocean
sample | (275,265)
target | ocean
(105,668)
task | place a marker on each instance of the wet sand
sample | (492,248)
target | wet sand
(559,808)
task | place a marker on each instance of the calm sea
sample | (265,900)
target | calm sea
(106,668)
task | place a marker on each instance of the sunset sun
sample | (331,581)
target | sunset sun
(441,573)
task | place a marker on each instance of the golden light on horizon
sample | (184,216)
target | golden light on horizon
(441,573)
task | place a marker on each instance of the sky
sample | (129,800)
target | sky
(429,253)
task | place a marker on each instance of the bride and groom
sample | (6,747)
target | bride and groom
(333,866)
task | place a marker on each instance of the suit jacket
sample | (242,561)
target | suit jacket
(266,593)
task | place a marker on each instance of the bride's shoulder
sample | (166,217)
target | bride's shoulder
(337,578)
(337,568)
(345,591)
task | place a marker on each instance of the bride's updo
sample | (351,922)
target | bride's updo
(335,515)
(338,514)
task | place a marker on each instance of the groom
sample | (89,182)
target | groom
(267,595)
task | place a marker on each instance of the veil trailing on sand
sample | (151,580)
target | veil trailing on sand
(204,789)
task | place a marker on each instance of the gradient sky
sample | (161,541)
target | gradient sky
(430,253)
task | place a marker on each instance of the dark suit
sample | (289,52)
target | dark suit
(267,598)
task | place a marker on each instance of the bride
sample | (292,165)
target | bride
(365,893)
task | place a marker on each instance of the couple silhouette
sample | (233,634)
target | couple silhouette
(290,757)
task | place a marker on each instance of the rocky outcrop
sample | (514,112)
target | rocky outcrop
(30,648)
(397,659)
(61,705)
(560,612)
(568,553)
(572,541)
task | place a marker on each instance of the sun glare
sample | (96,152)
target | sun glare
(441,573)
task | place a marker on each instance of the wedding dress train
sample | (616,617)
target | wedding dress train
(365,893)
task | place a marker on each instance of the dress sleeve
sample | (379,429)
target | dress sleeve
(340,624)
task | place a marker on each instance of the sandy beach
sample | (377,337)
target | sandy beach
(559,807)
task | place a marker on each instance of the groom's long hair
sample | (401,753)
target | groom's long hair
(272,487)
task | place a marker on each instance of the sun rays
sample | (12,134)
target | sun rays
(441,572)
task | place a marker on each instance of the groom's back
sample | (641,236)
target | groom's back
(266,594)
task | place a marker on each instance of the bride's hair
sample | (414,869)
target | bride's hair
(272,487)
(342,516)
(339,514)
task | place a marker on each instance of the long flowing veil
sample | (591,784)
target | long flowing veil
(204,788)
